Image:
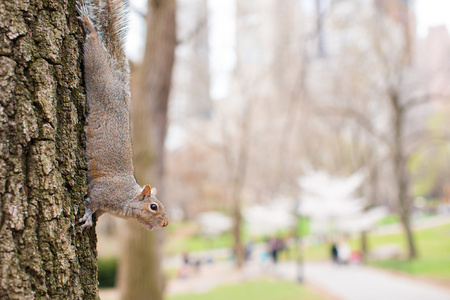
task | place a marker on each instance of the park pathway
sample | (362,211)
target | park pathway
(362,283)
(352,282)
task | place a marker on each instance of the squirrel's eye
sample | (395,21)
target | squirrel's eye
(153,207)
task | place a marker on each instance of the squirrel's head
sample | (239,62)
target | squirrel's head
(152,212)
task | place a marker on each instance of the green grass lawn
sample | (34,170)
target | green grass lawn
(389,219)
(259,289)
(317,252)
(196,243)
(433,247)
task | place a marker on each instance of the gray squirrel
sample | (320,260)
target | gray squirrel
(112,187)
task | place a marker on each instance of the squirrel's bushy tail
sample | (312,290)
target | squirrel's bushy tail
(110,21)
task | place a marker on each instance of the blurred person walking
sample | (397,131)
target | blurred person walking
(334,253)
(343,252)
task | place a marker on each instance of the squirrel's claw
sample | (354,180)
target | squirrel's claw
(81,9)
(87,224)
(87,218)
(84,16)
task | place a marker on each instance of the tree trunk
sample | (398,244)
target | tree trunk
(43,252)
(141,276)
(238,172)
(363,246)
(238,247)
(412,253)
(141,272)
(401,174)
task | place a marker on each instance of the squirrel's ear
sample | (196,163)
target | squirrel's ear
(145,192)
(154,191)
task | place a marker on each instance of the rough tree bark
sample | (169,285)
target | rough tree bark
(43,252)
(141,276)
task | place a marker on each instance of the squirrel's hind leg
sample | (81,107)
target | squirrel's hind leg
(87,218)
(84,17)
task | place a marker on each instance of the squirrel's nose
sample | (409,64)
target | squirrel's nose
(165,223)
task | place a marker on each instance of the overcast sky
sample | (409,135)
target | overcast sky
(431,13)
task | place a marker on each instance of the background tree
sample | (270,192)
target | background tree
(43,252)
(141,274)
(378,83)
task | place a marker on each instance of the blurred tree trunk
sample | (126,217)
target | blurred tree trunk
(364,249)
(238,171)
(141,274)
(43,252)
(236,153)
(399,11)
(372,195)
(399,161)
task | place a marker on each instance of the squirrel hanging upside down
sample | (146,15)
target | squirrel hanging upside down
(112,186)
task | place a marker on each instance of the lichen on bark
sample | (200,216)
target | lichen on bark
(43,252)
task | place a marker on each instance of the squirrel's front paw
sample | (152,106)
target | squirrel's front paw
(87,224)
(87,218)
